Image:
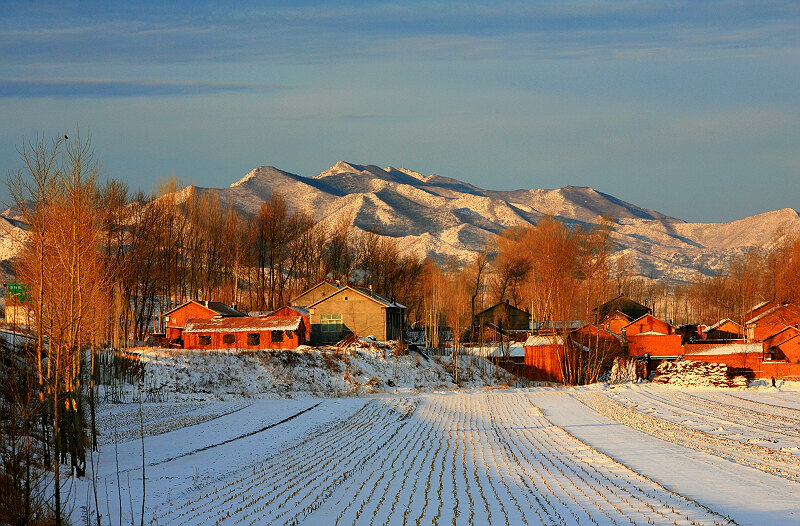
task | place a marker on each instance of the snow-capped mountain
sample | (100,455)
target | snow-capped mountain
(440,216)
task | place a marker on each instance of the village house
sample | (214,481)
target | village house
(744,358)
(505,316)
(723,330)
(19,311)
(273,332)
(615,321)
(623,304)
(319,291)
(771,320)
(784,345)
(543,358)
(175,319)
(354,310)
(289,310)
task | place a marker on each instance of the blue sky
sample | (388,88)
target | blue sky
(690,108)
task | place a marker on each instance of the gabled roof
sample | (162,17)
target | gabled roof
(246,324)
(787,307)
(784,335)
(215,306)
(320,284)
(720,323)
(541,341)
(364,292)
(599,330)
(645,316)
(504,304)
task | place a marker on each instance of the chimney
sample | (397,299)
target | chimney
(206,303)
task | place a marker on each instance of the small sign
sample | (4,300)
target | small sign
(19,291)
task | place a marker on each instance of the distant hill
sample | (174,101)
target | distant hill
(441,216)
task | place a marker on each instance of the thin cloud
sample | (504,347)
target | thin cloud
(355,30)
(32,88)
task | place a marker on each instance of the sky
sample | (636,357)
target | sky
(688,108)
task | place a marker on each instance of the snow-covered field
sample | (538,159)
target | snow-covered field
(630,454)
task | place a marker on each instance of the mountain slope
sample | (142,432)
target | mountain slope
(441,216)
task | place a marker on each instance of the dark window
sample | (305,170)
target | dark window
(277,336)
(204,340)
(253,338)
(228,338)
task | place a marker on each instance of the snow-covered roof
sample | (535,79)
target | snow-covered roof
(649,333)
(244,324)
(728,348)
(514,351)
(539,341)
(719,324)
(764,314)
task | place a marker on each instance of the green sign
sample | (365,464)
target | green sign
(19,291)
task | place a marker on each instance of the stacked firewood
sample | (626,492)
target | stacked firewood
(689,373)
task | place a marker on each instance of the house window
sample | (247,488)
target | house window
(330,323)
(204,339)
(277,336)
(253,338)
(228,338)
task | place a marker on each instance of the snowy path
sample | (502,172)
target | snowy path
(747,495)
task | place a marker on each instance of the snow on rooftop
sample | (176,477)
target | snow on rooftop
(727,348)
(539,341)
(244,324)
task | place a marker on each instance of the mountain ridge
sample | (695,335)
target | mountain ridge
(441,216)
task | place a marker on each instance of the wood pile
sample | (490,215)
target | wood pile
(689,373)
(623,371)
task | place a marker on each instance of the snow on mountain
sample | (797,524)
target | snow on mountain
(441,216)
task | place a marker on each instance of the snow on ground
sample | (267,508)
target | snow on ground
(746,494)
(321,437)
(477,456)
(307,371)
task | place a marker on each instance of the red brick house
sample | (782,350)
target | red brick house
(623,304)
(543,358)
(744,358)
(175,320)
(615,321)
(290,310)
(647,324)
(771,321)
(273,332)
(724,330)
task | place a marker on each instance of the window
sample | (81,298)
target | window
(204,340)
(277,336)
(228,338)
(330,323)
(253,338)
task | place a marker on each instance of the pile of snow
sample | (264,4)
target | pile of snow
(689,373)
(362,368)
